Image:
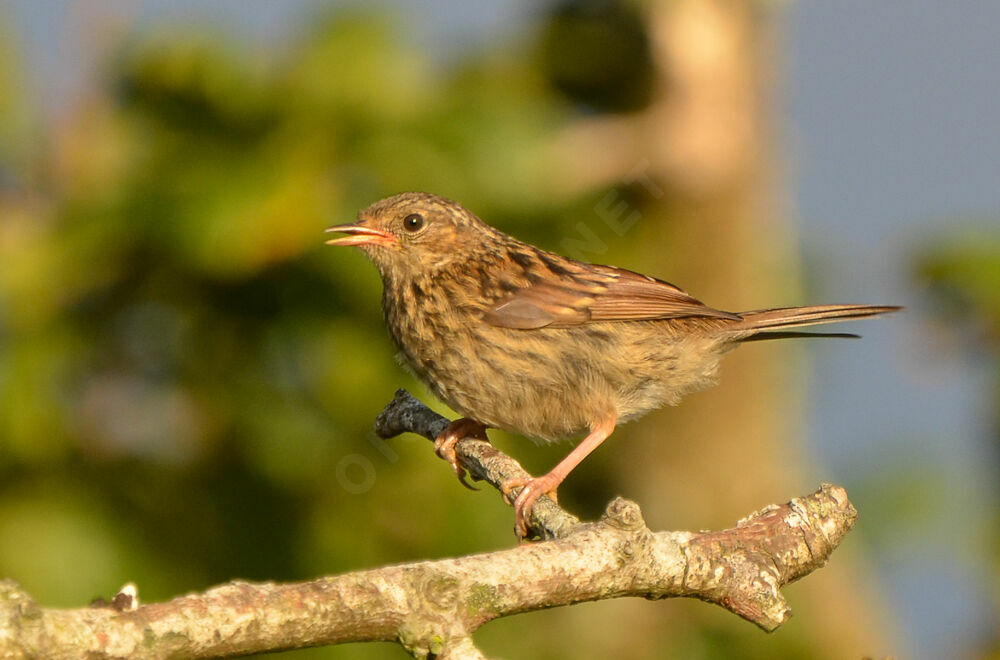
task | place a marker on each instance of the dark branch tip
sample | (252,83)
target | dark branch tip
(389,424)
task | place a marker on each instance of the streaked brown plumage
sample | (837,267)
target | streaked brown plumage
(521,339)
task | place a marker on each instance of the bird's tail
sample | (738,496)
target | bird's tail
(773,323)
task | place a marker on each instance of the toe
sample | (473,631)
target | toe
(523,506)
(517,482)
(444,445)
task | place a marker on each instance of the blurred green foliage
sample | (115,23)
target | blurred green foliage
(598,54)
(963,273)
(188,377)
(182,358)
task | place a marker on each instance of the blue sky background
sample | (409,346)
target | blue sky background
(891,140)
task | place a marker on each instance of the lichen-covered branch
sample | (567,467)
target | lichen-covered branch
(433,607)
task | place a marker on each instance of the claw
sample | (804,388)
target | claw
(444,444)
(445,448)
(531,489)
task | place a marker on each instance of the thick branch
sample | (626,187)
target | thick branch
(433,607)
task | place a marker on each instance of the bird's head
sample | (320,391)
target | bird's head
(413,234)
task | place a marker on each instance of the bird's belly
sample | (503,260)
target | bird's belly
(553,383)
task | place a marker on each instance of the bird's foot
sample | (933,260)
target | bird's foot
(531,489)
(444,444)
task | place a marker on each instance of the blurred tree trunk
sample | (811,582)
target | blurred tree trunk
(711,220)
(730,245)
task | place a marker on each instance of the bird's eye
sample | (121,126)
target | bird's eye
(413,222)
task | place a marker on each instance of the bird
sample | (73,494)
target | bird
(518,338)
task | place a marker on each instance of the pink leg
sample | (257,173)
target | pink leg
(534,488)
(444,444)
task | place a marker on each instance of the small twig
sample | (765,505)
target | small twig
(483,461)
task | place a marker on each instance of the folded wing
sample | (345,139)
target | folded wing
(552,291)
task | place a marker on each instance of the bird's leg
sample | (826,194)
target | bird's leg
(444,444)
(532,489)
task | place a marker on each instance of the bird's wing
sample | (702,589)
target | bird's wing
(552,291)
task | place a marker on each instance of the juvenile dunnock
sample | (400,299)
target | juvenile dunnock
(521,339)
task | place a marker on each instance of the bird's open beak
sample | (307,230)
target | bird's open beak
(360,235)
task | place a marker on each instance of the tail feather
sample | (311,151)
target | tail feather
(766,335)
(792,317)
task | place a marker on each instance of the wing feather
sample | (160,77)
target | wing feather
(558,292)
